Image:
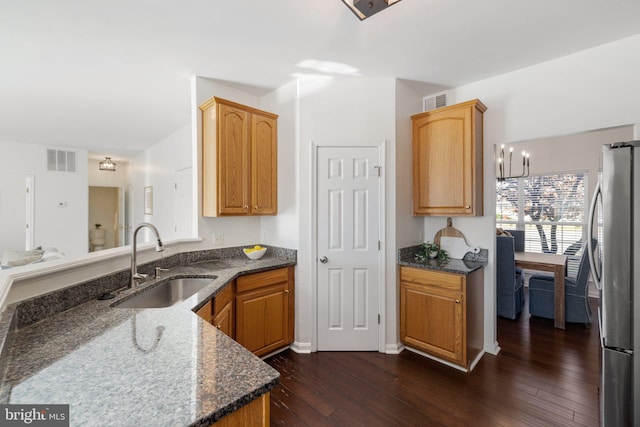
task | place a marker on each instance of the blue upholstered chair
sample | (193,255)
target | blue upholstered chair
(577,308)
(509,283)
(518,239)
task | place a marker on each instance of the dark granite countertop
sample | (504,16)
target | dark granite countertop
(123,366)
(471,262)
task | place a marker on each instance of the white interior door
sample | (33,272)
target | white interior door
(16,212)
(348,203)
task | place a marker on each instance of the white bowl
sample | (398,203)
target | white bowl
(254,254)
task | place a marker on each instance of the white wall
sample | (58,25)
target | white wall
(237,231)
(157,167)
(408,228)
(569,153)
(283,229)
(594,89)
(338,110)
(62,227)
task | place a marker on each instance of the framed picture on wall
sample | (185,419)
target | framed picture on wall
(148,200)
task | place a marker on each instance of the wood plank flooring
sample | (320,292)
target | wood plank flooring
(542,377)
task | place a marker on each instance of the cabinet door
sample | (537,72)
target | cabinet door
(447,161)
(206,312)
(223,320)
(432,320)
(233,151)
(223,312)
(262,321)
(264,151)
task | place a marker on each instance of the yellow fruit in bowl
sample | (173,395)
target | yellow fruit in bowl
(254,252)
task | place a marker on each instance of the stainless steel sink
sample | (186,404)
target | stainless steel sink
(166,294)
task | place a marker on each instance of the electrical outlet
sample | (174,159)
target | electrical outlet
(218,239)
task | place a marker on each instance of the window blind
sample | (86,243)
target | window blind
(550,208)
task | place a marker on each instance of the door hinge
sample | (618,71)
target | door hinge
(378,319)
(379,169)
(175,185)
(379,245)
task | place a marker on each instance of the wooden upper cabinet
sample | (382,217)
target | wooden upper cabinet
(264,158)
(448,160)
(239,159)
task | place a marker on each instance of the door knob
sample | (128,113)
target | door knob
(324,260)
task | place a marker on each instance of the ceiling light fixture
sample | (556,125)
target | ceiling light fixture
(365,8)
(107,165)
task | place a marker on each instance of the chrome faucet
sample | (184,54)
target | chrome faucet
(135,276)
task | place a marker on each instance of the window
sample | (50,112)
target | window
(550,208)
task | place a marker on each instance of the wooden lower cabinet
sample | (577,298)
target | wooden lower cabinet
(223,312)
(264,310)
(254,414)
(206,312)
(257,310)
(442,313)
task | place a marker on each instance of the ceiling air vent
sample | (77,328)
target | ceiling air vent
(61,161)
(432,102)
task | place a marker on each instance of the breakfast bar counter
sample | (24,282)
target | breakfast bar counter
(127,366)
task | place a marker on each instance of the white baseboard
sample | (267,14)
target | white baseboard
(492,348)
(394,348)
(301,347)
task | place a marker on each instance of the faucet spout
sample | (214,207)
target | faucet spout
(135,276)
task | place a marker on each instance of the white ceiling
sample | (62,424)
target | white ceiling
(114,77)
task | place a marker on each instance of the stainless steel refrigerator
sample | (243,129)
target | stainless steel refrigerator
(618,280)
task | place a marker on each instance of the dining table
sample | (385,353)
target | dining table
(555,263)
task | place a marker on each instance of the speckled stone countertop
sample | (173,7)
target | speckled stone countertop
(123,366)
(470,263)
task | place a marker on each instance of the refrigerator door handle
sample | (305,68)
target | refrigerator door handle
(597,276)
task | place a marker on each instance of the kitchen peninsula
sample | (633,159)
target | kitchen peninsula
(126,366)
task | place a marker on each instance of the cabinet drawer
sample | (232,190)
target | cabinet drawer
(222,298)
(449,281)
(258,280)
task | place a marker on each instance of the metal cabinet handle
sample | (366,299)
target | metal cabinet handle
(246,207)
(324,260)
(255,208)
(467,207)
(286,291)
(457,301)
(218,326)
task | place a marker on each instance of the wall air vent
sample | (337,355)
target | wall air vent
(432,102)
(61,161)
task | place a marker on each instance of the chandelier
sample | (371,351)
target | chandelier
(365,8)
(504,173)
(107,165)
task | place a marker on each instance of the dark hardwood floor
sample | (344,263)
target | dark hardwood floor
(542,377)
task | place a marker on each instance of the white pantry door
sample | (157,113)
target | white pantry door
(348,248)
